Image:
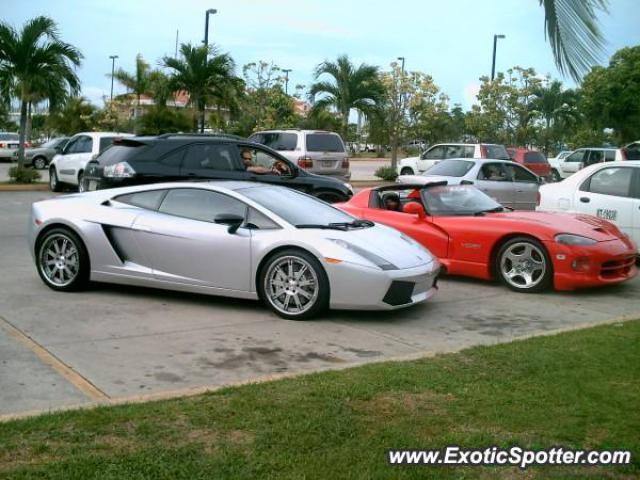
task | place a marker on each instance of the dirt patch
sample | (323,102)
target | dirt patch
(390,404)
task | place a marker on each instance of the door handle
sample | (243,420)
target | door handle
(585,199)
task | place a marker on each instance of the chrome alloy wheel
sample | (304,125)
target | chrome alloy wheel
(59,260)
(291,285)
(523,265)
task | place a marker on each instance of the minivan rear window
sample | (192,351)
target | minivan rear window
(284,142)
(324,142)
(534,157)
(497,151)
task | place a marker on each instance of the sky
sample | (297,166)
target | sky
(451,40)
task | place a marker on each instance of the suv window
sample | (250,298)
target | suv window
(119,153)
(324,142)
(493,172)
(83,145)
(497,151)
(9,136)
(633,151)
(261,158)
(534,157)
(202,205)
(105,142)
(520,174)
(435,153)
(150,199)
(451,168)
(595,156)
(210,157)
(577,156)
(609,156)
(277,140)
(614,181)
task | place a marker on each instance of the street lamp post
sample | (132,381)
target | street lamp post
(210,11)
(286,80)
(493,64)
(113,67)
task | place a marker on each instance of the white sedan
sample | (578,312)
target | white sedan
(607,190)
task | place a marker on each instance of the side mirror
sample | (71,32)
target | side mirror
(414,208)
(233,221)
(466,182)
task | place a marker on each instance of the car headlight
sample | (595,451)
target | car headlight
(371,257)
(119,170)
(568,239)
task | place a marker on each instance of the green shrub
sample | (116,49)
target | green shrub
(388,174)
(23,175)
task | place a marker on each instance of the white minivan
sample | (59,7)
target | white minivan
(67,168)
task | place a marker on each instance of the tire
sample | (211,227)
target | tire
(555,176)
(330,197)
(54,184)
(406,171)
(277,269)
(523,265)
(39,163)
(62,260)
(80,181)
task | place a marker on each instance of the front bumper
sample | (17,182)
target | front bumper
(363,288)
(605,263)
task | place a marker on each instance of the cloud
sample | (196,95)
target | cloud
(310,27)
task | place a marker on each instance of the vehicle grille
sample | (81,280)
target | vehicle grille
(617,268)
(399,293)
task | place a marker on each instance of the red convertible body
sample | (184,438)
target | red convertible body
(474,236)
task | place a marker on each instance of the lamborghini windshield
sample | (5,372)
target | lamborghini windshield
(458,200)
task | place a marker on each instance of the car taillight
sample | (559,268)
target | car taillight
(305,162)
(27,145)
(483,151)
(345,163)
(623,154)
(3,145)
(118,170)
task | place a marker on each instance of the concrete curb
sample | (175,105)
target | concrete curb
(24,187)
(193,391)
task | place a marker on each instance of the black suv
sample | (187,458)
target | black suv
(174,157)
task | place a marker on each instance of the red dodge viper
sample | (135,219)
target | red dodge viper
(473,235)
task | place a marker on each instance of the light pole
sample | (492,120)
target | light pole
(402,60)
(493,64)
(286,80)
(210,11)
(113,67)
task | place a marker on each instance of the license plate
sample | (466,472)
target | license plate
(93,185)
(327,163)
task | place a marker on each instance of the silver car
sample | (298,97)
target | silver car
(40,157)
(8,144)
(237,239)
(316,151)
(507,182)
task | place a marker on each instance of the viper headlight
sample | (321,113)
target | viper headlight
(568,239)
(119,170)
(371,257)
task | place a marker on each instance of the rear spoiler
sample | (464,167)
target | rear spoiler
(129,142)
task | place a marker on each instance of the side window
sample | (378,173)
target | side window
(595,156)
(469,151)
(255,219)
(454,151)
(493,172)
(614,181)
(609,156)
(262,162)
(173,158)
(519,174)
(210,157)
(71,145)
(105,142)
(84,145)
(436,153)
(198,204)
(577,156)
(150,199)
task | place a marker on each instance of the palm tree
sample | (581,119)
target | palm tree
(36,63)
(555,106)
(204,74)
(350,88)
(138,82)
(575,38)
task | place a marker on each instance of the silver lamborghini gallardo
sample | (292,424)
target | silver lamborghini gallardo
(296,253)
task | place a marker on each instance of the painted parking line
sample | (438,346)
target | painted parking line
(46,357)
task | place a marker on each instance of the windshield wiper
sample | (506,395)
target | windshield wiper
(491,210)
(354,224)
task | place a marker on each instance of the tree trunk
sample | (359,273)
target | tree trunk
(29,123)
(23,127)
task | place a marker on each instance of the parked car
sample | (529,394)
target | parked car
(172,157)
(68,167)
(583,157)
(511,185)
(561,155)
(8,144)
(532,159)
(632,151)
(606,190)
(239,239)
(40,157)
(474,236)
(442,151)
(316,151)
(419,145)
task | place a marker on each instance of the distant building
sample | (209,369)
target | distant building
(302,108)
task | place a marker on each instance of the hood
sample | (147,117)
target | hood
(408,160)
(387,243)
(573,223)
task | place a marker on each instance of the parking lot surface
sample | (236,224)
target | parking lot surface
(118,342)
